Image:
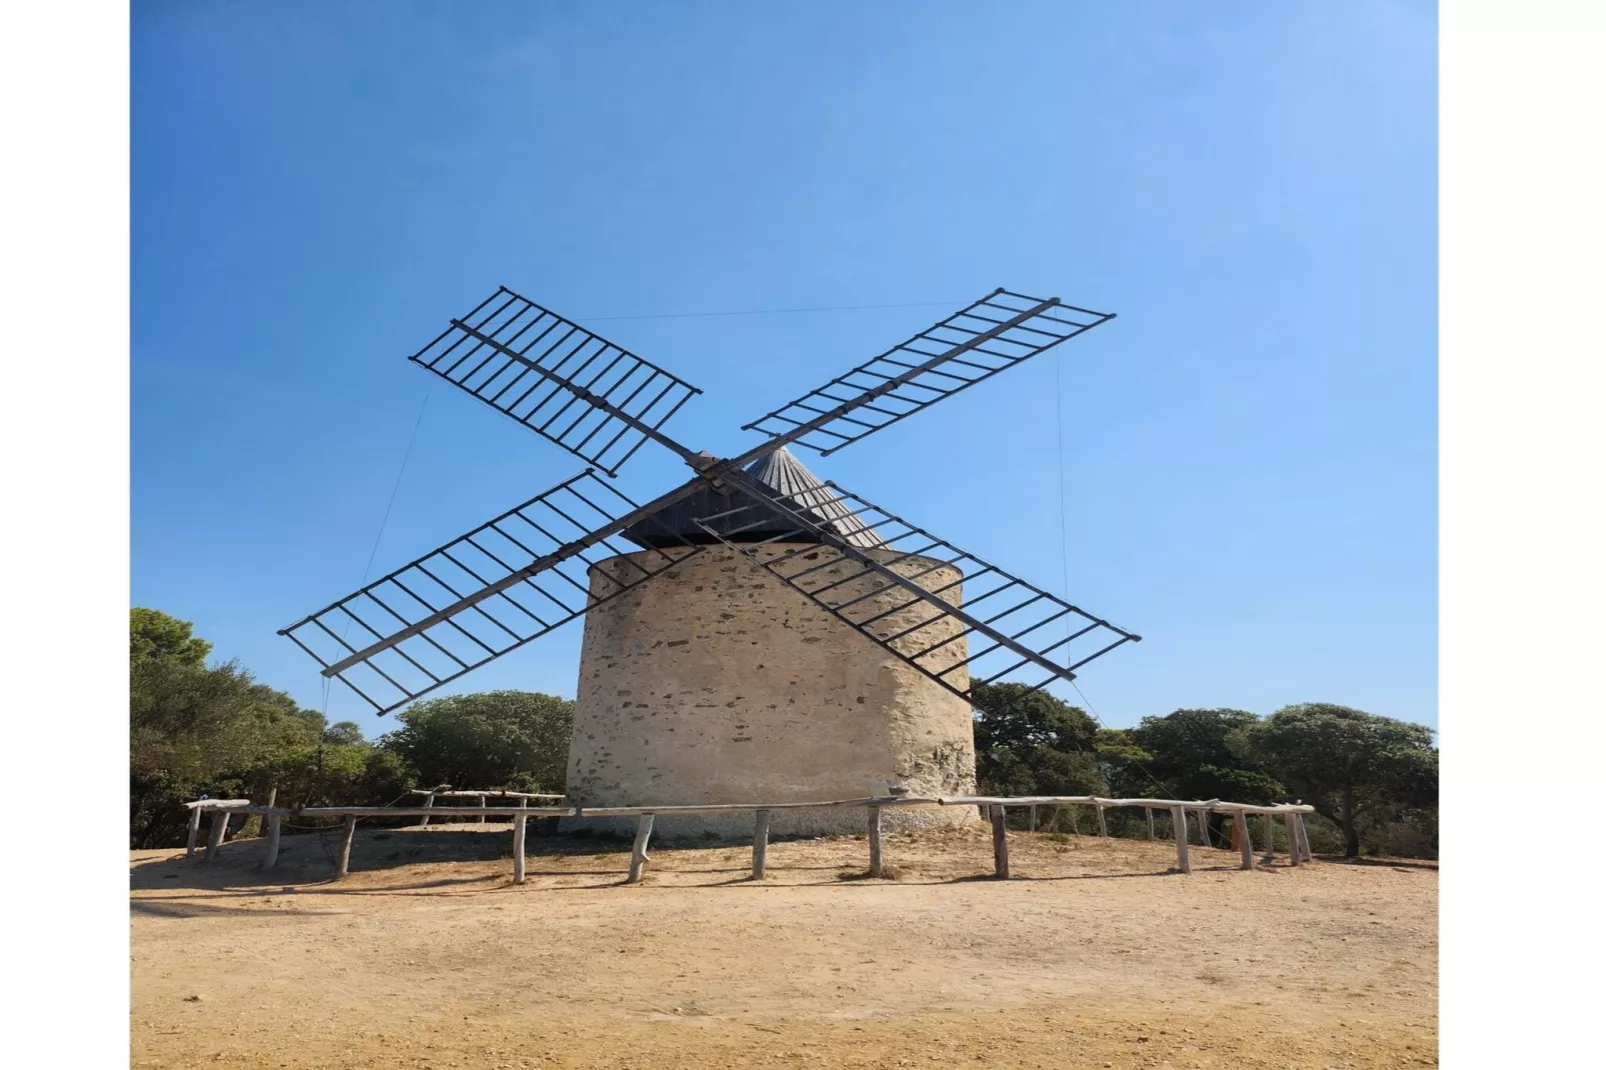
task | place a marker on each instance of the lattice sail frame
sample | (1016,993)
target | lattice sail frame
(536,366)
(1004,613)
(573,387)
(976,343)
(439,633)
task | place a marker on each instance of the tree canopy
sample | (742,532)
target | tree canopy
(1030,742)
(1355,768)
(155,635)
(517,740)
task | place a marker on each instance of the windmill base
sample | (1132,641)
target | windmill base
(716,683)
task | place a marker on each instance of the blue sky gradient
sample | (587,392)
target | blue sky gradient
(1249,450)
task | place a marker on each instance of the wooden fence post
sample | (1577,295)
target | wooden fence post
(272,857)
(1000,844)
(1031,819)
(1240,828)
(875,840)
(1179,825)
(214,838)
(518,842)
(761,842)
(348,832)
(1293,839)
(1148,814)
(481,798)
(1204,828)
(638,851)
(1304,839)
(1103,828)
(195,832)
(429,804)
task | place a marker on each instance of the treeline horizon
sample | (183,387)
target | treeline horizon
(199,729)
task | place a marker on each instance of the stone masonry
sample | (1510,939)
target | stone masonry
(715,682)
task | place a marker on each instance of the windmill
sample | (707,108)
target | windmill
(873,580)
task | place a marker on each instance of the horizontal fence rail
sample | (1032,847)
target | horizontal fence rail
(993,808)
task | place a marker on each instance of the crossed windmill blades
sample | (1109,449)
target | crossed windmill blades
(527,572)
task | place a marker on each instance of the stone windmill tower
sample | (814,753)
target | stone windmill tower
(771,637)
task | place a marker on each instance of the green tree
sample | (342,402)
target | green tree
(1202,754)
(517,740)
(154,634)
(343,733)
(194,729)
(1355,768)
(1031,743)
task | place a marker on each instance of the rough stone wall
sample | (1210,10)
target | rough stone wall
(717,683)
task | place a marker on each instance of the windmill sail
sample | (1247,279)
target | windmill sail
(970,621)
(979,341)
(597,400)
(512,579)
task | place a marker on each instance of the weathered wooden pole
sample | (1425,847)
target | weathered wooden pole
(1104,829)
(272,856)
(1204,828)
(1293,839)
(1240,828)
(638,850)
(1304,838)
(761,842)
(518,842)
(1000,844)
(481,798)
(1031,819)
(1179,826)
(195,832)
(214,837)
(348,832)
(1148,814)
(429,804)
(874,820)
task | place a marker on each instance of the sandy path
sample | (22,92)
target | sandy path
(428,957)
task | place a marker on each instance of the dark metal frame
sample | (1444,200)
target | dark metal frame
(632,397)
(890,389)
(439,643)
(1018,602)
(625,401)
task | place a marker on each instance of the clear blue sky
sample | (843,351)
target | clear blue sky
(1249,449)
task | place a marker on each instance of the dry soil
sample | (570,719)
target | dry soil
(1093,955)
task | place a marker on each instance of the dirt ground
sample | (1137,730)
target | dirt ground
(1093,955)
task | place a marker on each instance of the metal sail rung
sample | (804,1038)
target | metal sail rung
(511,580)
(883,594)
(597,400)
(979,341)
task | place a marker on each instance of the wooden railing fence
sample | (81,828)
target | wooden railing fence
(992,807)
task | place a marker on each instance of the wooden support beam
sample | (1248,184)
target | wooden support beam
(1031,818)
(195,832)
(1304,838)
(638,850)
(348,832)
(1148,816)
(1000,844)
(1240,826)
(874,821)
(1293,840)
(271,859)
(429,804)
(1204,827)
(1104,830)
(214,838)
(518,847)
(482,806)
(1179,826)
(761,842)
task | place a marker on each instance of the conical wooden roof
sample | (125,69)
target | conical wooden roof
(780,471)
